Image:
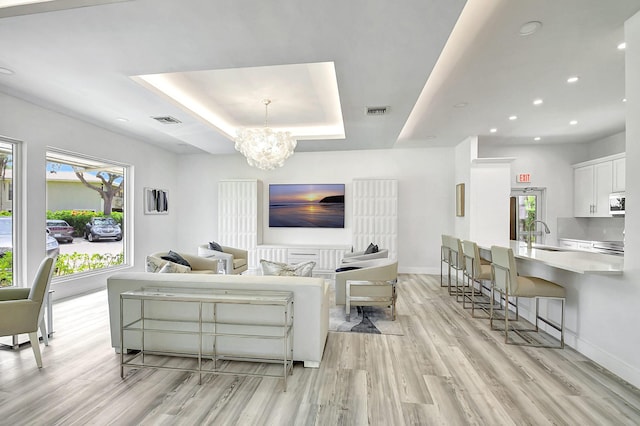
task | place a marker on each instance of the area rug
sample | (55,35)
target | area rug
(363,319)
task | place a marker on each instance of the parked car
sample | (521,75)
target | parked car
(6,238)
(102,228)
(53,248)
(60,230)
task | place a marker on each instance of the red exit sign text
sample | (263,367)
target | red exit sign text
(524,178)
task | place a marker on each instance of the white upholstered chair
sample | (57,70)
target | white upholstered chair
(368,270)
(199,265)
(235,260)
(22,309)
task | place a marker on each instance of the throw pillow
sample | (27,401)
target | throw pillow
(215,246)
(154,264)
(173,268)
(174,257)
(304,269)
(371,249)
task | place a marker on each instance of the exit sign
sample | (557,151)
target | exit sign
(523,178)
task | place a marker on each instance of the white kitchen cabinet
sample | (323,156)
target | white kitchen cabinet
(583,191)
(593,182)
(618,175)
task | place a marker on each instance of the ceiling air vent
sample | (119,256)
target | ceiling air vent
(167,119)
(377,110)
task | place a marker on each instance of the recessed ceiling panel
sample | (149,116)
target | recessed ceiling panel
(304,98)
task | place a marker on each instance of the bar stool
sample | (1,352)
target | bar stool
(475,271)
(507,281)
(444,257)
(456,262)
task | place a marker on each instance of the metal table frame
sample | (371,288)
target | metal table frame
(213,297)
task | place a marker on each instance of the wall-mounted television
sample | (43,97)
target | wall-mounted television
(306,205)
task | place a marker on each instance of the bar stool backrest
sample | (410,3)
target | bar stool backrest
(504,270)
(455,248)
(471,258)
(444,248)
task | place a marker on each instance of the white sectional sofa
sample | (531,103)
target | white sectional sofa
(310,322)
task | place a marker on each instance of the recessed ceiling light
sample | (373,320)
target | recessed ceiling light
(461,105)
(622,46)
(430,137)
(537,138)
(537,102)
(624,99)
(573,79)
(124,120)
(530,27)
(513,117)
(6,71)
(573,122)
(493,130)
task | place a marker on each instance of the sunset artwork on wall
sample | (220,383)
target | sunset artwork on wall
(306,205)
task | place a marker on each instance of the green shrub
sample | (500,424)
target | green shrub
(72,263)
(6,269)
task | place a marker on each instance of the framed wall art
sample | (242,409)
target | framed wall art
(156,201)
(460,199)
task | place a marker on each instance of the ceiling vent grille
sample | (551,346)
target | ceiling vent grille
(167,119)
(376,110)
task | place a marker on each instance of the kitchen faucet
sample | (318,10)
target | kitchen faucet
(546,230)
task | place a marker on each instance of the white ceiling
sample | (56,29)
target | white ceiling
(80,62)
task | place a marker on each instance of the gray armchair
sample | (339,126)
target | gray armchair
(21,309)
(235,260)
(370,270)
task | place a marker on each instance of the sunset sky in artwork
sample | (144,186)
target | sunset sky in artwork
(303,193)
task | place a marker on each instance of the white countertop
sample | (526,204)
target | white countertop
(582,262)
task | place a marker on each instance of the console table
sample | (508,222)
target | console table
(204,323)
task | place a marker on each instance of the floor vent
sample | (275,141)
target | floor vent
(167,119)
(376,110)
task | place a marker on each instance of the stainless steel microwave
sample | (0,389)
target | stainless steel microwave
(616,203)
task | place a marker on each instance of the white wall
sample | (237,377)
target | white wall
(550,168)
(425,205)
(40,129)
(489,202)
(465,151)
(614,144)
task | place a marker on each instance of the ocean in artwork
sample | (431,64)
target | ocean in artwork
(304,215)
(306,206)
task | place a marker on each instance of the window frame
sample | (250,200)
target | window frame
(127,235)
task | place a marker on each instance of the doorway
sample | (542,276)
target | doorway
(527,205)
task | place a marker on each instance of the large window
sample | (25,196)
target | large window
(85,212)
(7,226)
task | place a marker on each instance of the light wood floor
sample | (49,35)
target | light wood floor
(447,369)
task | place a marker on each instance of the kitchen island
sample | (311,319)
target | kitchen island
(582,262)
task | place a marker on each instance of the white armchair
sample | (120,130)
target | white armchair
(370,270)
(358,256)
(235,260)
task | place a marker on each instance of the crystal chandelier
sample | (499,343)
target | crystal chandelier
(264,148)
